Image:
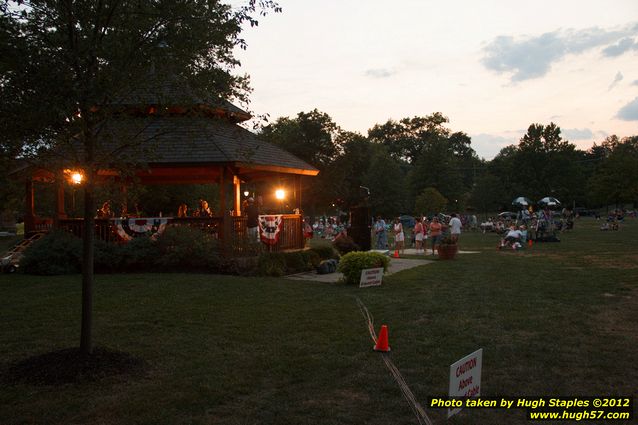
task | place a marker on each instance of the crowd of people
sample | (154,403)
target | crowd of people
(424,229)
(515,229)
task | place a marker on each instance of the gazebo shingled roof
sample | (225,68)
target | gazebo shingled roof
(181,137)
(185,128)
(200,140)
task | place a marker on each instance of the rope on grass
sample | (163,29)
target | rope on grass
(416,408)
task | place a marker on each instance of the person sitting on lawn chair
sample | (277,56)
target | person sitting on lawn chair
(513,238)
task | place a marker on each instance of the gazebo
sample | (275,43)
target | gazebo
(174,136)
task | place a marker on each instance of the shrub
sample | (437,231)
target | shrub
(109,257)
(180,248)
(325,252)
(353,263)
(57,253)
(138,254)
(279,264)
(185,247)
(271,264)
(344,244)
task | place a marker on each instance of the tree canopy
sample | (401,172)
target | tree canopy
(65,63)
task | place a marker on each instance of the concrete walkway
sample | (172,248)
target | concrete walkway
(396,265)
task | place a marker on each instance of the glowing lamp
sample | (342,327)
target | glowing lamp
(280,194)
(246,193)
(76,178)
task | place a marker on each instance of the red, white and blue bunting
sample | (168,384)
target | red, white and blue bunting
(129,228)
(269,228)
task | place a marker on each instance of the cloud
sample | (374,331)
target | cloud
(380,73)
(578,134)
(621,47)
(618,78)
(629,112)
(489,144)
(532,57)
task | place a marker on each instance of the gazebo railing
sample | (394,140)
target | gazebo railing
(233,233)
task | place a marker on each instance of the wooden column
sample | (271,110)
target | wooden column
(237,196)
(222,192)
(124,206)
(297,186)
(29,207)
(60,212)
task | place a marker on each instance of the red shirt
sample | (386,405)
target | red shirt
(435,228)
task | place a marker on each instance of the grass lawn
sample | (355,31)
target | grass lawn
(558,319)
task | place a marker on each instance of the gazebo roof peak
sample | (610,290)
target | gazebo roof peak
(170,90)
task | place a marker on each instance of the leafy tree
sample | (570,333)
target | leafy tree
(616,180)
(488,193)
(406,139)
(467,159)
(387,183)
(545,163)
(311,136)
(430,201)
(64,63)
(347,172)
(438,167)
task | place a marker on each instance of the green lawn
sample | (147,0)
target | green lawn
(558,319)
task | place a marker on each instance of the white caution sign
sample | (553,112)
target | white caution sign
(465,378)
(371,277)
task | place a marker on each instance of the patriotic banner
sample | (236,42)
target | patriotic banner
(129,228)
(269,228)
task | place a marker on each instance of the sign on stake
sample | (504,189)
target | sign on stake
(465,378)
(371,277)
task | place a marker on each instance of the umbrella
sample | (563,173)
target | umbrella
(549,201)
(521,201)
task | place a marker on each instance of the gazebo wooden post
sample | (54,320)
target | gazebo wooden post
(297,188)
(124,192)
(60,212)
(222,192)
(29,207)
(225,232)
(237,195)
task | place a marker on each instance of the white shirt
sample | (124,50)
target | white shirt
(455,226)
(514,234)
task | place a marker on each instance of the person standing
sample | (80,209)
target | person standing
(455,227)
(418,235)
(252,220)
(399,235)
(379,230)
(435,232)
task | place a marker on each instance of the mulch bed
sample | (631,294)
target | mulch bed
(71,366)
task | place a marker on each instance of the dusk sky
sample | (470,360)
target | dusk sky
(493,67)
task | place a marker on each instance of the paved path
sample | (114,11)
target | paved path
(396,265)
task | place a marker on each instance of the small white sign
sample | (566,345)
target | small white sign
(371,277)
(465,378)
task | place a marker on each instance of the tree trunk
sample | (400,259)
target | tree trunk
(88,237)
(86,343)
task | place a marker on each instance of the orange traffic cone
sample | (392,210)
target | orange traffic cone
(396,253)
(382,340)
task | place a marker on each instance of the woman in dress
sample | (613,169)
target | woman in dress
(418,235)
(399,236)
